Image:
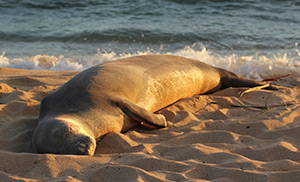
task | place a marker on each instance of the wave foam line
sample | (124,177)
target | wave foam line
(255,67)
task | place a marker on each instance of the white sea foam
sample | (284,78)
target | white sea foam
(255,67)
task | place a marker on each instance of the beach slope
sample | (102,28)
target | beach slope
(232,135)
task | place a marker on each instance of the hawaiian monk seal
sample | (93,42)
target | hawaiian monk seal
(116,96)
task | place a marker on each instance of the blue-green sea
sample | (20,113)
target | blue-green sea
(257,39)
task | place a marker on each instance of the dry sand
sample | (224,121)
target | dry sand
(210,138)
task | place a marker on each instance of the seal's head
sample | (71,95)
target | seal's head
(63,136)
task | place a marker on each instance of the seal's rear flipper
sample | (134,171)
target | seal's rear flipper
(244,82)
(229,79)
(141,115)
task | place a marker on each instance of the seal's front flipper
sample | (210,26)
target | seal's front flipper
(141,115)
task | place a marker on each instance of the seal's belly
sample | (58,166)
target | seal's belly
(164,89)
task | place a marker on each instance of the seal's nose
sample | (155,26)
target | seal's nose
(85,146)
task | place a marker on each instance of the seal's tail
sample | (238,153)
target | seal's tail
(229,79)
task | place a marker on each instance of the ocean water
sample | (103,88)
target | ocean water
(257,39)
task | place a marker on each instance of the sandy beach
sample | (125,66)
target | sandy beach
(232,135)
